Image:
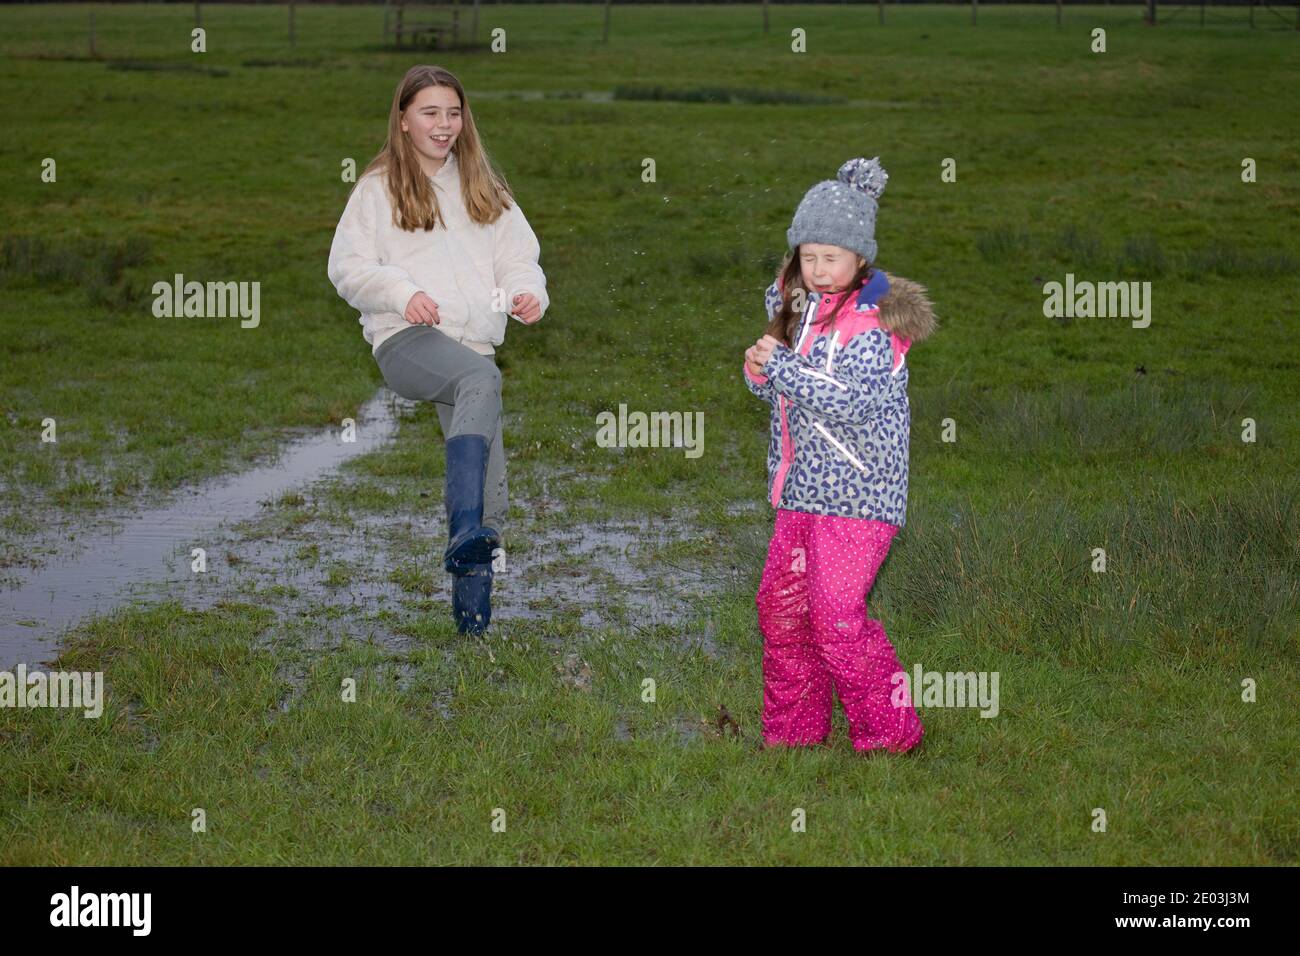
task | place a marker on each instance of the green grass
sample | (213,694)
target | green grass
(1119,690)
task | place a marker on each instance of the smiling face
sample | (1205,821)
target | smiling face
(432,120)
(828,268)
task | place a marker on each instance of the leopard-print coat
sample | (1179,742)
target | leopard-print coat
(840,418)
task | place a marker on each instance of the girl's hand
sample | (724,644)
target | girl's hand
(751,363)
(422,310)
(763,348)
(526,307)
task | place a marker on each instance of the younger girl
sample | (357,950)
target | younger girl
(434,252)
(831,365)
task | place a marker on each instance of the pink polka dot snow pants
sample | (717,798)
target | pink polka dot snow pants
(812,610)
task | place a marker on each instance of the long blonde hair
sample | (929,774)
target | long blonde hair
(415,203)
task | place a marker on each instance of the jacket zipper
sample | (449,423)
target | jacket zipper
(787,443)
(809,311)
(785,437)
(830,353)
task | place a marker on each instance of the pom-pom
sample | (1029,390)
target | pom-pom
(865,174)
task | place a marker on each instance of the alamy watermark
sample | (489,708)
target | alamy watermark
(925,688)
(78,690)
(212,300)
(1086,300)
(76,908)
(651,430)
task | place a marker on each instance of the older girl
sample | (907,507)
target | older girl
(434,252)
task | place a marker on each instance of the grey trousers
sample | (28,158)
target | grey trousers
(422,364)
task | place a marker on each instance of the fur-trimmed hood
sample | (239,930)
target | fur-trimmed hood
(906,310)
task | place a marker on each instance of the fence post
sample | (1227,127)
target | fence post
(882,12)
(1151,13)
(1252,14)
(92,34)
(198,14)
(400,8)
(1058,14)
(605,37)
(974,7)
(292,39)
(473,30)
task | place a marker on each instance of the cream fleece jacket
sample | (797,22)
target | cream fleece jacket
(376,267)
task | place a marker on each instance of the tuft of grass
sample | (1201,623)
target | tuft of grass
(1003,243)
(163,66)
(414,578)
(1142,256)
(1087,426)
(1183,577)
(1075,247)
(304,62)
(99,268)
(718,94)
(1232,261)
(339,575)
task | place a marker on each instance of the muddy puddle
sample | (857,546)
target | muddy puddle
(365,577)
(381,579)
(125,556)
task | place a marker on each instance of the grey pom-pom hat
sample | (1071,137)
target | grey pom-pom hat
(842,211)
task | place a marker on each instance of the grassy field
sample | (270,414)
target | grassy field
(1120,691)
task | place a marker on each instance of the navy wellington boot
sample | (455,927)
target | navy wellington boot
(470,544)
(471,599)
